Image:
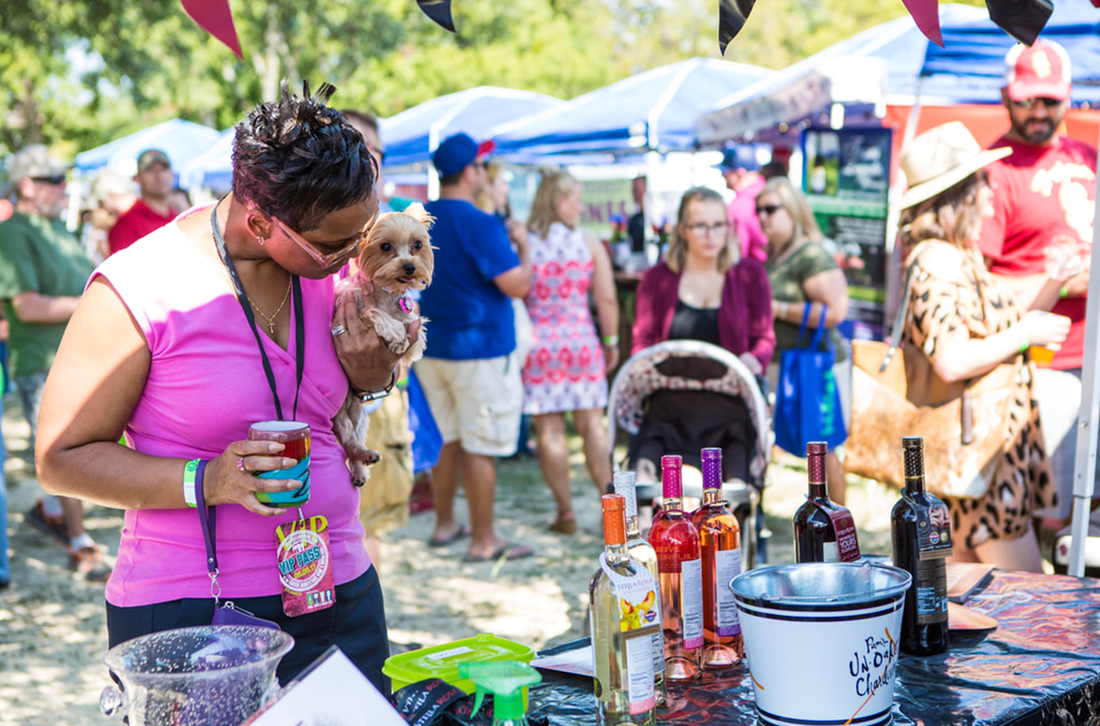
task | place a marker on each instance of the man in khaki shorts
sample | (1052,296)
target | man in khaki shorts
(469,372)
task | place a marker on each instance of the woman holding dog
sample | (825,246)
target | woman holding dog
(221,319)
(566,369)
(966,326)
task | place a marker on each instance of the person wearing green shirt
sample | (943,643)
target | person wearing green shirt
(43,270)
(804,277)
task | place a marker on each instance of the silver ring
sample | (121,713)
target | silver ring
(339,330)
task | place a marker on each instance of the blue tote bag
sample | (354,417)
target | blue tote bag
(807,403)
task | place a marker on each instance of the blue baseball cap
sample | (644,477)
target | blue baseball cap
(458,152)
(739,157)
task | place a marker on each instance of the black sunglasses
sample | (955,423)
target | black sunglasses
(768,209)
(1033,102)
(55,180)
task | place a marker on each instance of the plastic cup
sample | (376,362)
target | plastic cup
(295,437)
(1042,355)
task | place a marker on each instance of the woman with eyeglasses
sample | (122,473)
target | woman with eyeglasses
(704,290)
(221,319)
(804,279)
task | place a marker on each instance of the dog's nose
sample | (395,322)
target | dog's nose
(410,268)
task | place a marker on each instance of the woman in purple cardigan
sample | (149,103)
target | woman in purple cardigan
(704,290)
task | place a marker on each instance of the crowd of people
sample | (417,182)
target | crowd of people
(141,375)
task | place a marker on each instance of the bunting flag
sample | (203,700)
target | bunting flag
(215,17)
(1022,19)
(926,14)
(732,15)
(439,11)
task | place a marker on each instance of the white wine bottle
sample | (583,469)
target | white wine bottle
(623,615)
(642,551)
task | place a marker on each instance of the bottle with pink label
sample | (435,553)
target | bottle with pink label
(824,531)
(720,540)
(679,563)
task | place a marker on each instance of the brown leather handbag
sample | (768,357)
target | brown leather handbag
(965,425)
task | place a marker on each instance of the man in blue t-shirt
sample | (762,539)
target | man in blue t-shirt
(469,372)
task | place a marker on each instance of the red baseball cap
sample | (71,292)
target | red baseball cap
(1041,71)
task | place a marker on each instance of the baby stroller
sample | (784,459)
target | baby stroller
(679,396)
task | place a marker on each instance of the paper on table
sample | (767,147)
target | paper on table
(577,661)
(331,690)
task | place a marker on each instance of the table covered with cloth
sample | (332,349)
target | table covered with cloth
(1040,666)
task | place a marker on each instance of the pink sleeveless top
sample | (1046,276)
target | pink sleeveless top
(206,385)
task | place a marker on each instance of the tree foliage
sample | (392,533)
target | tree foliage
(77,74)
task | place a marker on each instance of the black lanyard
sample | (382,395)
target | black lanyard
(242,298)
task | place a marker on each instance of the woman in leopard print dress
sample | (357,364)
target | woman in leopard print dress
(967,325)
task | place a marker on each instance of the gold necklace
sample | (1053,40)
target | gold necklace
(271,318)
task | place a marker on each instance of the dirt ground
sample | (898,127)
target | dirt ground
(52,627)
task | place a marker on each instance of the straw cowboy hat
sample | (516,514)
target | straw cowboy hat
(940,158)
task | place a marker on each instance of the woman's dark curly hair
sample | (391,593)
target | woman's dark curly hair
(299,160)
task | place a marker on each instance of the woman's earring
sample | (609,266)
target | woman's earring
(260,240)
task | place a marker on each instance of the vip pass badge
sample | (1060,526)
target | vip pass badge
(305,565)
(637,595)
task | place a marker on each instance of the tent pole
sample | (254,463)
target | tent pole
(1084,480)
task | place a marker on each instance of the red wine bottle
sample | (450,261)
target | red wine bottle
(823,530)
(920,528)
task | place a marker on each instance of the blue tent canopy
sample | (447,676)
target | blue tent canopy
(880,64)
(651,110)
(973,53)
(181,140)
(412,135)
(213,168)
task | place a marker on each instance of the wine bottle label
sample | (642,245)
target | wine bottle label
(727,565)
(847,541)
(830,552)
(639,674)
(691,602)
(639,606)
(933,525)
(658,647)
(930,585)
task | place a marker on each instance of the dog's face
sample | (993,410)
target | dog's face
(398,253)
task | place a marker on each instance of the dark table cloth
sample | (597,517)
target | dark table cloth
(1040,667)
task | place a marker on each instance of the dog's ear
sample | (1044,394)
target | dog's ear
(416,211)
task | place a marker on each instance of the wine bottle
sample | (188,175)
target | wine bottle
(623,617)
(720,545)
(920,528)
(642,551)
(679,565)
(824,531)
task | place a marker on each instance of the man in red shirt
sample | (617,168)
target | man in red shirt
(1037,242)
(153,209)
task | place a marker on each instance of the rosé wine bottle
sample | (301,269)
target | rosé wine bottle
(679,563)
(720,542)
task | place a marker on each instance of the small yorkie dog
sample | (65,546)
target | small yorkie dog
(395,258)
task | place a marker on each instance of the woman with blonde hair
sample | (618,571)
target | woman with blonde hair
(566,369)
(804,279)
(967,326)
(703,291)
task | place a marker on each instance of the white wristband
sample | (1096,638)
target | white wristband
(189,483)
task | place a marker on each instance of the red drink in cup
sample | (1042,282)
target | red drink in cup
(296,440)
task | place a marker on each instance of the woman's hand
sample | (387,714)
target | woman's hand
(366,360)
(229,478)
(751,363)
(1043,328)
(610,354)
